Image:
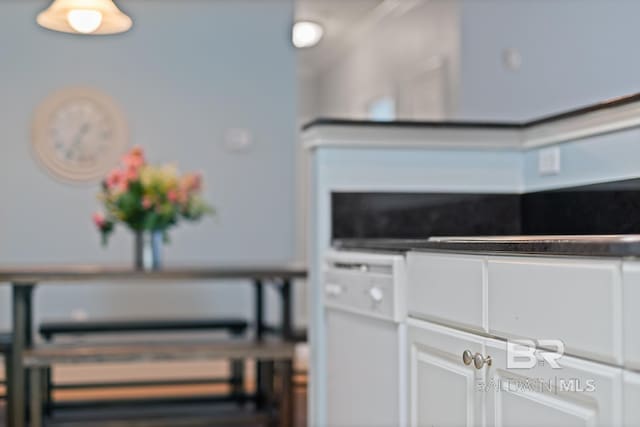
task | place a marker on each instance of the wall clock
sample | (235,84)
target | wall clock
(79,134)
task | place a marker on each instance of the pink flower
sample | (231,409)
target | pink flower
(115,179)
(137,151)
(192,182)
(147,202)
(99,220)
(133,161)
(131,174)
(172,196)
(118,180)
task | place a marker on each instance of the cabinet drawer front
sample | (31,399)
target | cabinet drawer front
(576,301)
(446,288)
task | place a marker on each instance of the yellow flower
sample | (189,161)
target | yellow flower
(159,179)
(169,176)
(146,176)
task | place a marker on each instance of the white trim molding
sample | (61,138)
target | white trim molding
(603,118)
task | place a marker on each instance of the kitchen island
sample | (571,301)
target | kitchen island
(413,180)
(520,330)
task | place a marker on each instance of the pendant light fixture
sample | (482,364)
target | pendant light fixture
(84,17)
(306,34)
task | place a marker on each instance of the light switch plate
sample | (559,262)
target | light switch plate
(549,161)
(238,139)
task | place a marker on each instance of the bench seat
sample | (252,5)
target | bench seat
(277,352)
(50,329)
(74,353)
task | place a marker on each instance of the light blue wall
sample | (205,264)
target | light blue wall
(574,53)
(596,159)
(187,71)
(420,170)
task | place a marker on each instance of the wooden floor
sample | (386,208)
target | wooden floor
(183,415)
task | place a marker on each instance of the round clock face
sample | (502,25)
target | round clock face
(79,134)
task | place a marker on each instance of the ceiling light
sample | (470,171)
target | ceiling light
(84,21)
(84,17)
(306,34)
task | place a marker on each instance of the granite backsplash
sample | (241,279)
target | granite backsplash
(611,208)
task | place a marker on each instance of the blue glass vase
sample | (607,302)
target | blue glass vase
(148,250)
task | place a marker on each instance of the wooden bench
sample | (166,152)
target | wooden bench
(278,354)
(52,329)
(236,327)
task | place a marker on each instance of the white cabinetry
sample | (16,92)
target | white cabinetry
(631,399)
(576,300)
(631,292)
(442,389)
(447,288)
(578,393)
(587,304)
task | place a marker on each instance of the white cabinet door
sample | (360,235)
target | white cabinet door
(363,374)
(442,389)
(577,393)
(631,399)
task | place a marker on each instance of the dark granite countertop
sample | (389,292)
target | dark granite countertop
(378,244)
(623,245)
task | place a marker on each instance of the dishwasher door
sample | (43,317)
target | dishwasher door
(364,315)
(363,375)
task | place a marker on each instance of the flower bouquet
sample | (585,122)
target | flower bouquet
(149,200)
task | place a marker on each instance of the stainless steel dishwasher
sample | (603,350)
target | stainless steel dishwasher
(366,364)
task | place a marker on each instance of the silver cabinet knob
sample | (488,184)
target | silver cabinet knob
(467,357)
(479,361)
(376,294)
(333,289)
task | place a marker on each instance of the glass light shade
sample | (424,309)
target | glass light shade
(84,17)
(84,21)
(306,34)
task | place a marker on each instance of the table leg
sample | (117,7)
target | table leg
(286,410)
(287,398)
(259,309)
(237,378)
(259,319)
(287,310)
(265,397)
(22,338)
(47,385)
(35,392)
(8,396)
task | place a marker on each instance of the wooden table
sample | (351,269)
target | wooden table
(25,279)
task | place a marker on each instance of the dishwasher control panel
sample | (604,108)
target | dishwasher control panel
(366,283)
